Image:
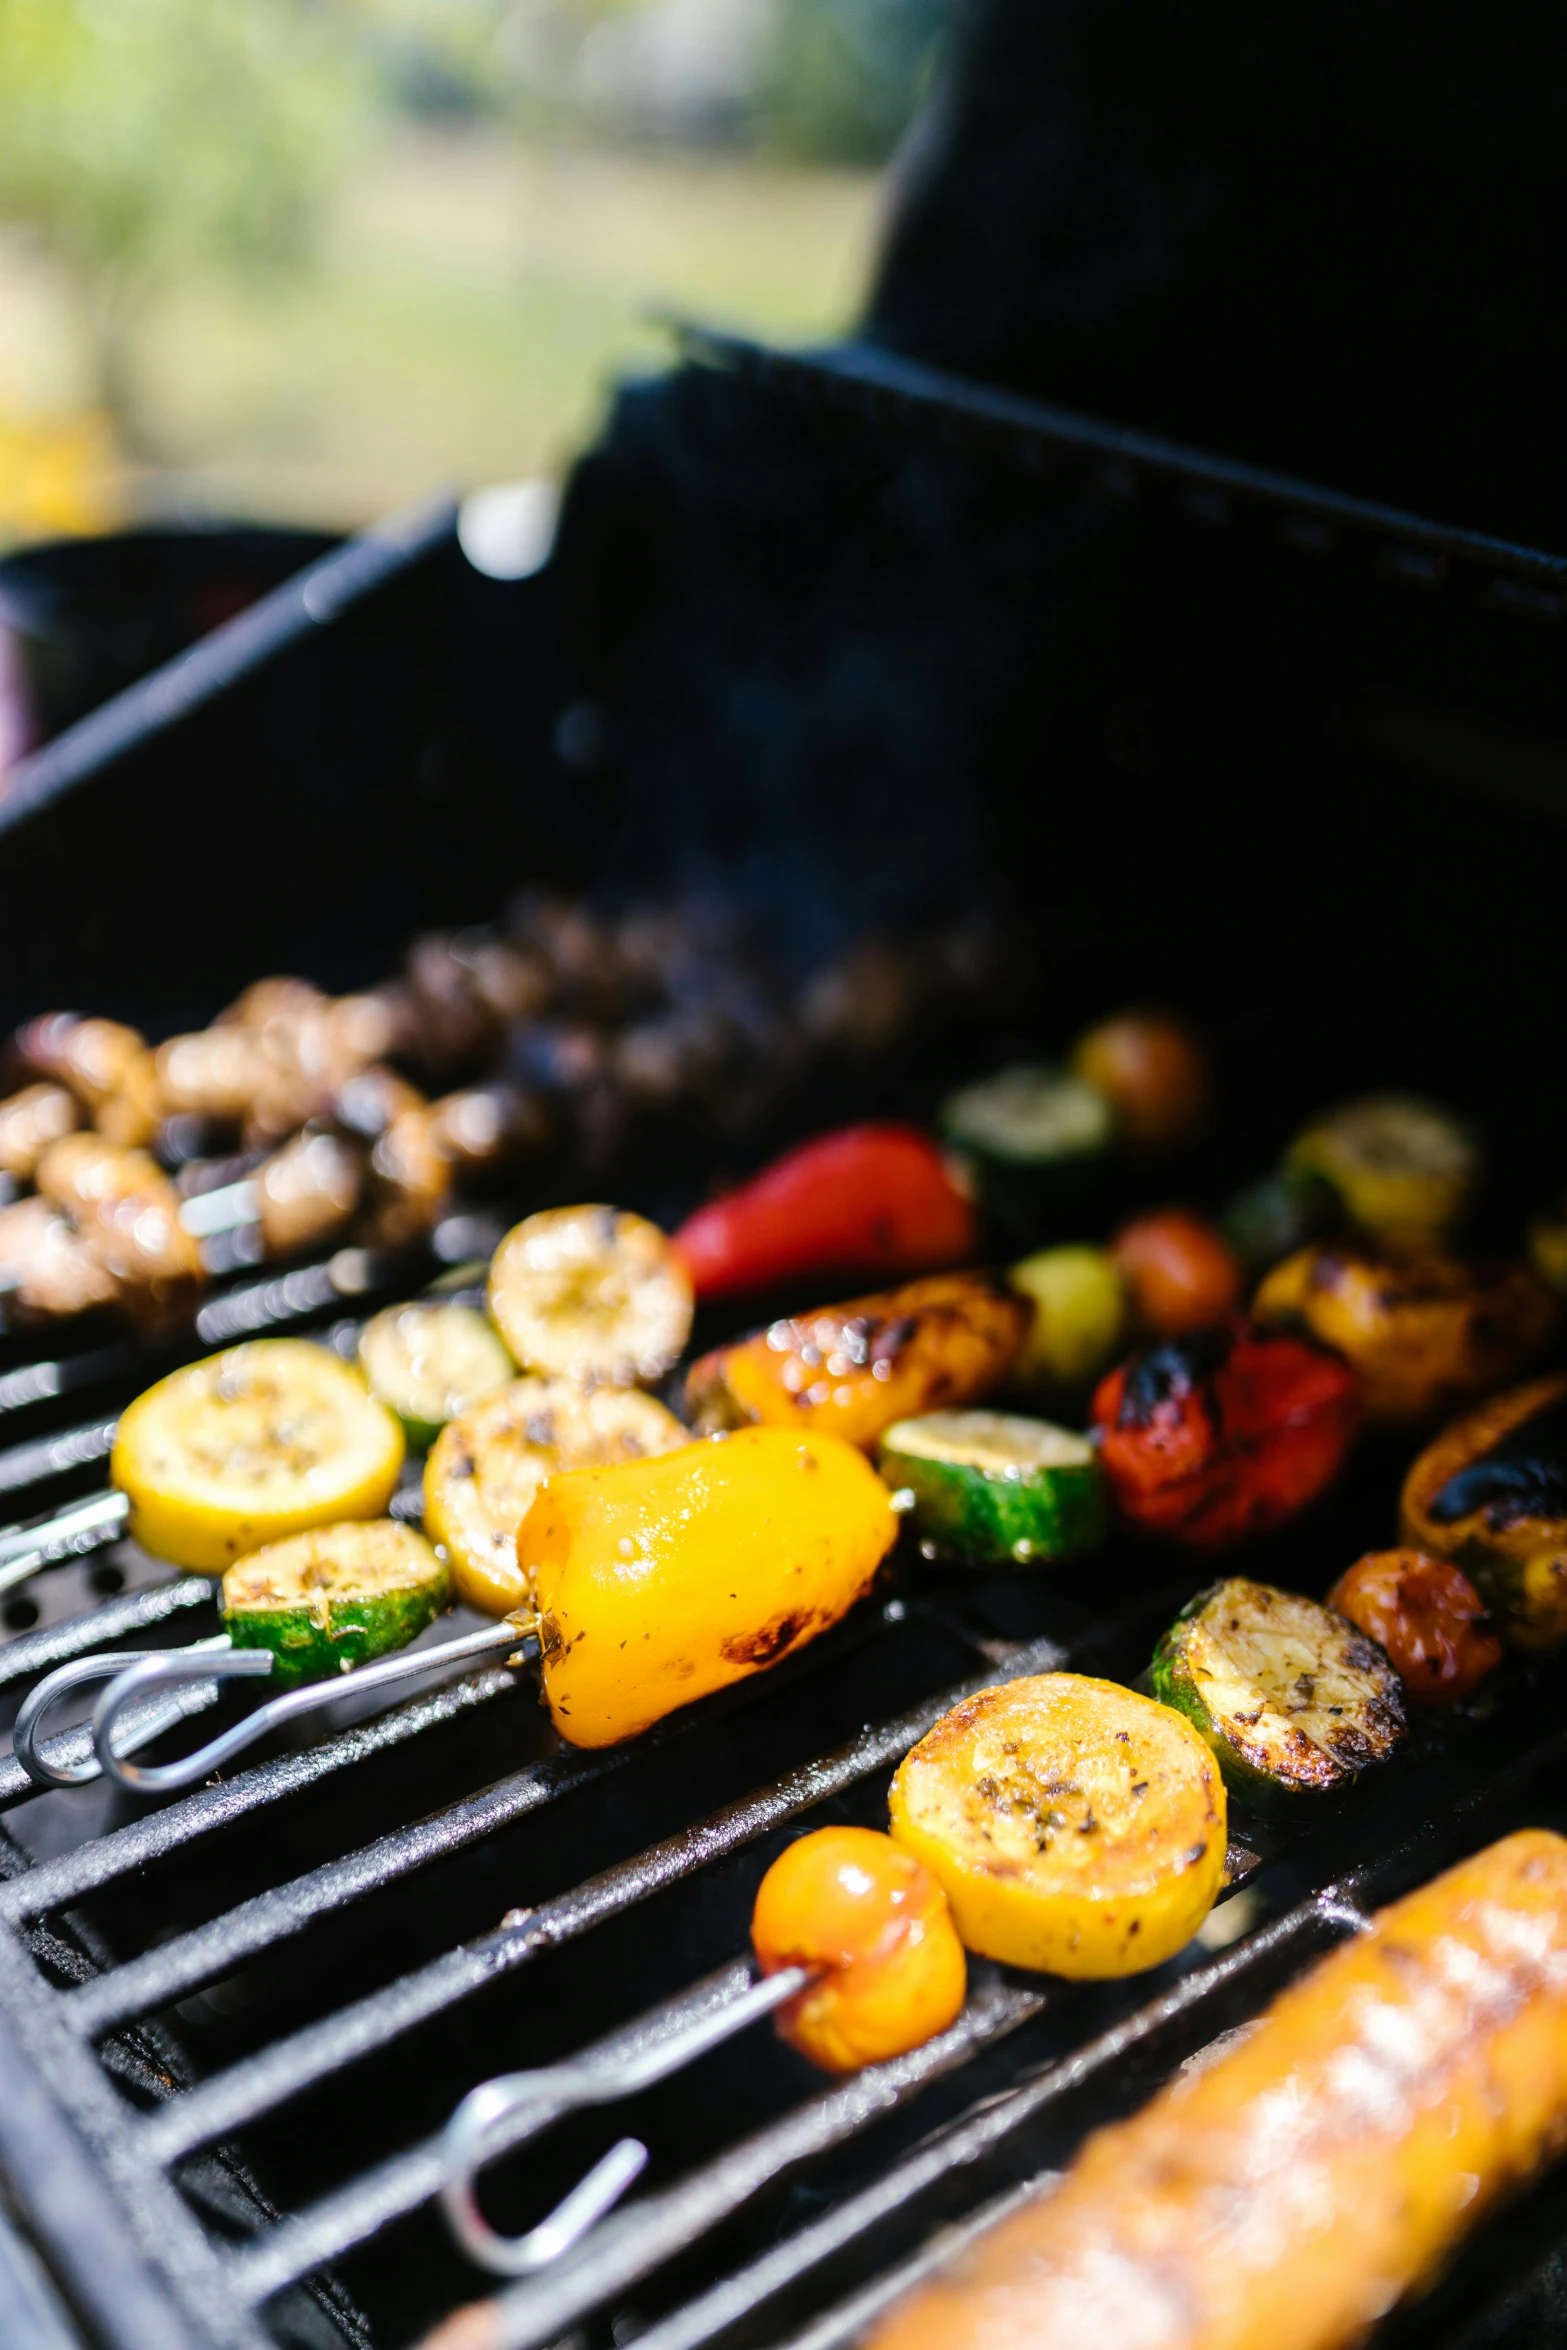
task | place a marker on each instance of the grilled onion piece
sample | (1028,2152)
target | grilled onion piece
(331,1599)
(591,1294)
(1292,1698)
(1491,1495)
(487,1466)
(1076,1828)
(1283,2194)
(250,1446)
(432,1361)
(852,1370)
(1423,1333)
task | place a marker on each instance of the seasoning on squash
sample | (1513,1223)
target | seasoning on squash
(1077,1828)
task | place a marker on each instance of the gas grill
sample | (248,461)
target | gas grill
(849,639)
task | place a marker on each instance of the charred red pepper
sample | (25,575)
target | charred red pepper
(1429,1618)
(1223,1433)
(869,1199)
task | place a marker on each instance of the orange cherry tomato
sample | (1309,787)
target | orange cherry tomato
(1427,1615)
(1178,1272)
(874,1920)
(1154,1074)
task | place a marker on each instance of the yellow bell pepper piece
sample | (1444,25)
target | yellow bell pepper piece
(660,1580)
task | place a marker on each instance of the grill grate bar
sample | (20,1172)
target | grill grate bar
(22,1465)
(270,1916)
(646,2234)
(360,2210)
(54,1883)
(262,2082)
(174,1969)
(35,1653)
(869,379)
(534,2313)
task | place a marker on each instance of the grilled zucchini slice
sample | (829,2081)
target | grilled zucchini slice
(249,1446)
(486,1467)
(1293,1699)
(1075,1827)
(1491,1496)
(1405,1169)
(1030,1133)
(591,1294)
(430,1362)
(331,1599)
(995,1487)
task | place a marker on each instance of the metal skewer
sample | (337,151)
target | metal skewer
(135,1676)
(506,2112)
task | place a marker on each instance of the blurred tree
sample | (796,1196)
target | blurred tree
(848,76)
(141,137)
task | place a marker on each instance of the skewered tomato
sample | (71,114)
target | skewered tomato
(659,1580)
(1429,1618)
(876,1923)
(1076,1827)
(1178,1272)
(1424,1333)
(1153,1072)
(1224,1434)
(871,1199)
(854,1369)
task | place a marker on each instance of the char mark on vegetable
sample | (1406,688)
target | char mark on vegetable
(1522,1476)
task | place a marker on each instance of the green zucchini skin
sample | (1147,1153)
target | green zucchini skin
(316,1634)
(1014,1516)
(431,1361)
(1294,1700)
(1032,1137)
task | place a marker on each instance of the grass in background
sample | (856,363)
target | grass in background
(470,305)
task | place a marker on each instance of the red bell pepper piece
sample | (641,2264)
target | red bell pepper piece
(1224,1433)
(868,1199)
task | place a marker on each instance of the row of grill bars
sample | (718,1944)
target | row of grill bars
(256,2086)
(141,2150)
(251,1309)
(879,383)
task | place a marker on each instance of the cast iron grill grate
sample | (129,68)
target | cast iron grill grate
(232,2027)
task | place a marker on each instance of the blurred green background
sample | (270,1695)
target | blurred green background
(308,259)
